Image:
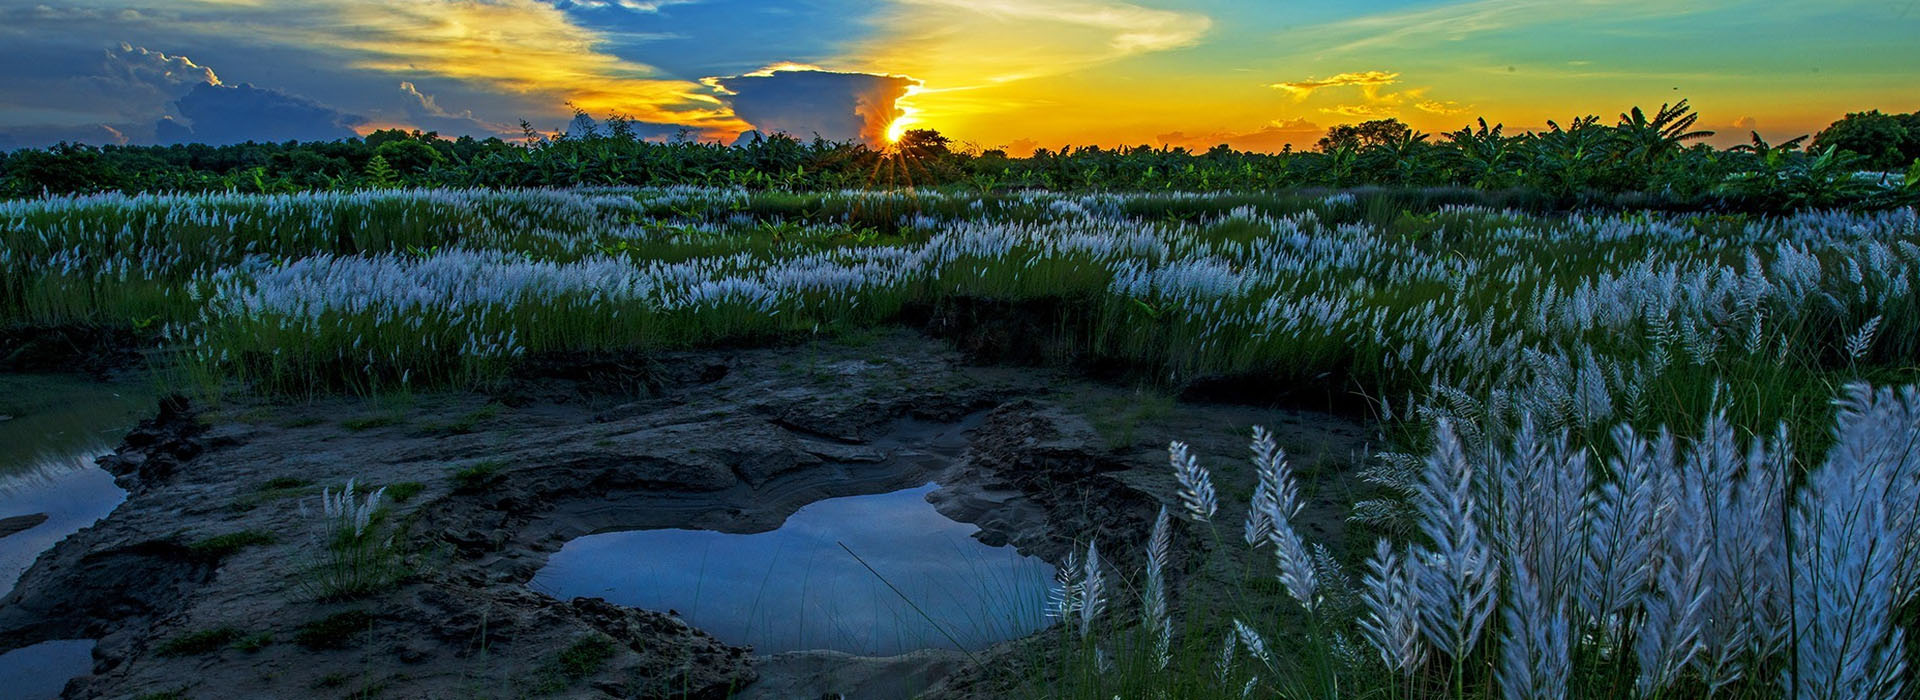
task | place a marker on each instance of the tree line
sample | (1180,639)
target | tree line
(1642,159)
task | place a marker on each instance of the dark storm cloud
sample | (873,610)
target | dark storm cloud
(223,114)
(806,103)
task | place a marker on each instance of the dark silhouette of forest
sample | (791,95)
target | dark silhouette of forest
(1642,159)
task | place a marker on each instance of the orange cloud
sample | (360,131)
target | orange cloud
(513,46)
(1368,81)
(1441,107)
(1364,111)
(1271,137)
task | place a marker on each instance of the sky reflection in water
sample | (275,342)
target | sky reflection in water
(796,588)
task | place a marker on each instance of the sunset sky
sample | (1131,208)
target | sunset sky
(991,73)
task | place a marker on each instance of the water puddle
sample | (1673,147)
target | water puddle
(925,582)
(51,429)
(41,671)
(54,428)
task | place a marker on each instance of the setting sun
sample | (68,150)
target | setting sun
(898,129)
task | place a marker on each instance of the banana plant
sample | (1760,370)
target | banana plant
(1483,157)
(1647,140)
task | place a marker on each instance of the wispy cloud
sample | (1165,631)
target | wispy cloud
(961,43)
(1364,111)
(1368,80)
(1463,20)
(647,6)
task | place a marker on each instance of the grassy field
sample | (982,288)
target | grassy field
(1591,412)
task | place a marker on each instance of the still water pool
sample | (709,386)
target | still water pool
(51,429)
(875,575)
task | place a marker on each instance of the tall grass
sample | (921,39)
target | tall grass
(1584,407)
(1680,567)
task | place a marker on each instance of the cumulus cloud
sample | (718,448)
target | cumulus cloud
(114,99)
(1368,81)
(1271,137)
(137,64)
(424,111)
(526,54)
(224,114)
(804,101)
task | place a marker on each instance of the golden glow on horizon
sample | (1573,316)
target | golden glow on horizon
(1017,73)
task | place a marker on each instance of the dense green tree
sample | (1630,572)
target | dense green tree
(409,156)
(1887,141)
(1377,132)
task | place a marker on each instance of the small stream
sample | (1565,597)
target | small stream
(51,430)
(919,580)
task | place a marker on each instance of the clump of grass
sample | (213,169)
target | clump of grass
(198,642)
(358,554)
(283,482)
(272,489)
(585,657)
(331,680)
(365,423)
(404,491)
(336,631)
(478,475)
(253,643)
(220,546)
(1118,420)
(465,423)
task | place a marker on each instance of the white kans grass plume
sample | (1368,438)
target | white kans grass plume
(1852,562)
(1391,623)
(1068,592)
(1683,563)
(346,513)
(1093,592)
(1534,650)
(1154,594)
(1196,483)
(1456,576)
(1277,501)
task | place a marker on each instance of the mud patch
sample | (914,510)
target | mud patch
(726,441)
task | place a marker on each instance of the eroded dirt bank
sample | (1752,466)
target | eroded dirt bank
(219,525)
